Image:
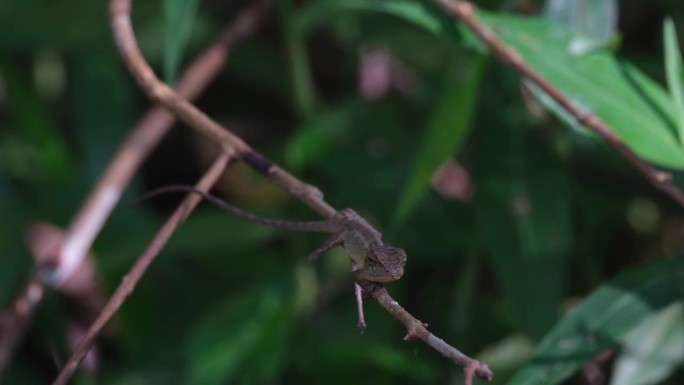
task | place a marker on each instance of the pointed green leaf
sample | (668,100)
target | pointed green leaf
(653,350)
(178,17)
(603,320)
(447,129)
(675,74)
(635,107)
(245,332)
(321,11)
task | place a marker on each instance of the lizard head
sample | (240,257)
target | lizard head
(393,260)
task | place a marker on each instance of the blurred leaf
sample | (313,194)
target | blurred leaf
(35,121)
(302,82)
(20,158)
(652,350)
(591,81)
(250,330)
(362,358)
(209,231)
(312,141)
(148,377)
(507,355)
(593,23)
(675,74)
(16,263)
(53,23)
(178,17)
(524,218)
(635,107)
(447,129)
(603,320)
(256,65)
(416,12)
(102,111)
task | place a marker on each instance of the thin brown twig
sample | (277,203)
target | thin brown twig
(136,272)
(132,152)
(161,93)
(310,195)
(143,139)
(418,329)
(466,12)
(82,288)
(14,322)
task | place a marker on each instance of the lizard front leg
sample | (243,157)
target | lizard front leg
(331,242)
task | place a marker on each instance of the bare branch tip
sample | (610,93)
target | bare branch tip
(413,330)
(483,371)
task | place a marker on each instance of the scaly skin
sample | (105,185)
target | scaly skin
(371,260)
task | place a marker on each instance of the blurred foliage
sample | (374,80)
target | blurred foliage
(560,252)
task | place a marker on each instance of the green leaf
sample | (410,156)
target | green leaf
(416,12)
(674,72)
(178,17)
(302,81)
(447,129)
(508,354)
(603,320)
(635,107)
(593,24)
(524,218)
(248,333)
(99,127)
(45,141)
(313,140)
(653,350)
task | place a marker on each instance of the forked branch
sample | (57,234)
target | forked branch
(133,151)
(143,139)
(196,119)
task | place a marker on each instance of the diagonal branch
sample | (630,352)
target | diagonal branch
(418,329)
(13,323)
(196,119)
(466,12)
(144,138)
(131,279)
(161,93)
(132,152)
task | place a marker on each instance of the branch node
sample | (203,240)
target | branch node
(414,329)
(310,192)
(663,177)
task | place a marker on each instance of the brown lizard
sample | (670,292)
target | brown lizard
(372,261)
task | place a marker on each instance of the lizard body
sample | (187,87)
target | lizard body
(371,259)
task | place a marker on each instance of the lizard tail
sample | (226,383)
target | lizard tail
(325,226)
